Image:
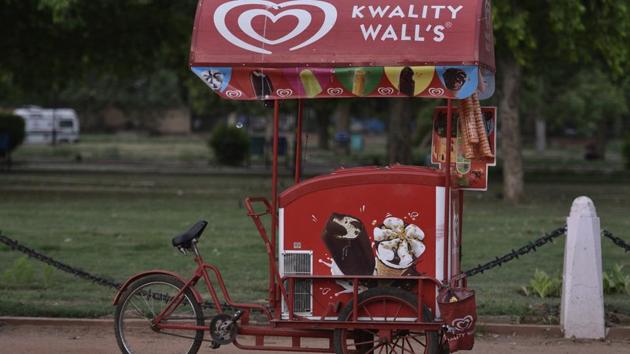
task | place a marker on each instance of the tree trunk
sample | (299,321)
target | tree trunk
(513,185)
(541,135)
(342,124)
(601,139)
(399,132)
(323,121)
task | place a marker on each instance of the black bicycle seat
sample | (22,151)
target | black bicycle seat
(185,240)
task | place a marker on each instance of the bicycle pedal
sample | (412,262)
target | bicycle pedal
(237,315)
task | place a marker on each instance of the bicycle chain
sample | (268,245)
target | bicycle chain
(616,240)
(515,254)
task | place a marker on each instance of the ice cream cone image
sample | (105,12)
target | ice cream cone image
(398,247)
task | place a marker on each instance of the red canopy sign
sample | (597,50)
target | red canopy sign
(281,34)
(343,33)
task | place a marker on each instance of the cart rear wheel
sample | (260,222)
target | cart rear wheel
(385,304)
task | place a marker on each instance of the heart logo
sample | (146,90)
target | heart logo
(436,92)
(284,92)
(463,324)
(234,93)
(245,19)
(385,91)
(335,91)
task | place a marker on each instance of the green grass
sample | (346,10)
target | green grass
(116,225)
(118,147)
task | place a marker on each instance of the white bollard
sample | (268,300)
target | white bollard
(582,305)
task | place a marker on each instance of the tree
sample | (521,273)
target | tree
(399,133)
(592,103)
(534,35)
(55,43)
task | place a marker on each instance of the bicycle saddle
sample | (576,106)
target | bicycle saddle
(193,233)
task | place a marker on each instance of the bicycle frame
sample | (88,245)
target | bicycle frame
(201,272)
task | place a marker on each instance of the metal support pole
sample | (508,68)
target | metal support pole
(459,233)
(274,192)
(298,142)
(447,194)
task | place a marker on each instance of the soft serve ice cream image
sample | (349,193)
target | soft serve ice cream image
(398,246)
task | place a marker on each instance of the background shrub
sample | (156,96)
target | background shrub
(230,145)
(14,126)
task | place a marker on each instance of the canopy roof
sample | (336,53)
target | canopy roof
(262,49)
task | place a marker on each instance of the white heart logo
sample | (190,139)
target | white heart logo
(385,91)
(245,22)
(284,92)
(234,93)
(436,92)
(335,91)
(463,324)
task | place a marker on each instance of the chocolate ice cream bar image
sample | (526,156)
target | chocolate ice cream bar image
(349,245)
(261,84)
(407,83)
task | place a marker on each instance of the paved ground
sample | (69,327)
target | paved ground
(31,339)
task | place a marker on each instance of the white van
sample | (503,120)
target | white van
(40,122)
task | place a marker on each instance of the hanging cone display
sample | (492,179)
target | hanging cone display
(469,122)
(468,149)
(484,143)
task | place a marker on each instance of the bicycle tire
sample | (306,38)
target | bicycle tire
(138,290)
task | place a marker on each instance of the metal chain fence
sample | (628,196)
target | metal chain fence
(14,245)
(616,240)
(530,247)
(79,273)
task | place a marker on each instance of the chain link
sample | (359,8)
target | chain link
(515,254)
(616,240)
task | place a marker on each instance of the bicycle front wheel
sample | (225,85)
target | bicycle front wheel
(144,300)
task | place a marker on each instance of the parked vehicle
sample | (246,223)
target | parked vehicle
(45,125)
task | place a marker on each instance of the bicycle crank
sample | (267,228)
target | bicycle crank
(223,328)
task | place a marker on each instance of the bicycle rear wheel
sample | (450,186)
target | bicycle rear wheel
(146,298)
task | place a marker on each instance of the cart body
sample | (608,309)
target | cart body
(328,226)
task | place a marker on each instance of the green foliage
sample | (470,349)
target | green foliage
(616,281)
(230,145)
(538,33)
(626,151)
(14,126)
(48,276)
(23,273)
(543,286)
(588,98)
(20,273)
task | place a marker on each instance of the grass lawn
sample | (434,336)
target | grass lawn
(122,146)
(119,224)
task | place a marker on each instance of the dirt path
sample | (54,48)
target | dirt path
(94,340)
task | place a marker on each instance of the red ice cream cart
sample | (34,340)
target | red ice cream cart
(367,259)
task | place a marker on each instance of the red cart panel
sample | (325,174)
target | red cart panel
(363,221)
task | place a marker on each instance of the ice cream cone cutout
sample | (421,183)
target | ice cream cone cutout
(398,246)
